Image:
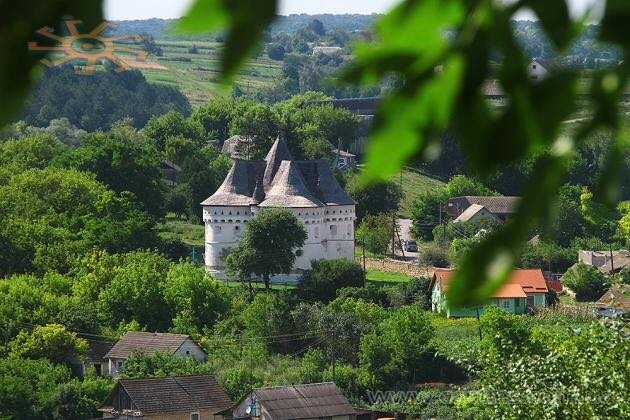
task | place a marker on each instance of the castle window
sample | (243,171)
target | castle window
(316,231)
(236,228)
(333,230)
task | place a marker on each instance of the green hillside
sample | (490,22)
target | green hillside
(414,184)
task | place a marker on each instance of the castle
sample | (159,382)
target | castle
(306,188)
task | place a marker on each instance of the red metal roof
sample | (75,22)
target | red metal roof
(520,283)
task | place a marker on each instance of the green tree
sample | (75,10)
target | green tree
(28,386)
(325,277)
(259,122)
(270,245)
(397,350)
(52,342)
(265,319)
(275,52)
(76,400)
(383,197)
(52,216)
(160,365)
(587,282)
(123,160)
(192,294)
(216,117)
(624,221)
(173,124)
(375,233)
(34,152)
(136,292)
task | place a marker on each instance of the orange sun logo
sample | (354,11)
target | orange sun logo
(92,49)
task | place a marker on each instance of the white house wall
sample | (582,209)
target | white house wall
(190,349)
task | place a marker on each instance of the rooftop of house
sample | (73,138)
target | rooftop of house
(470,212)
(494,204)
(617,297)
(147,343)
(519,284)
(306,401)
(606,261)
(98,349)
(172,394)
(279,181)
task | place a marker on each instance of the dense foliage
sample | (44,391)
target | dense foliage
(98,101)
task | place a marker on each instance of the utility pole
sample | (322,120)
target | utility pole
(393,235)
(612,259)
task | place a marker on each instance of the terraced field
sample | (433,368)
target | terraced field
(196,75)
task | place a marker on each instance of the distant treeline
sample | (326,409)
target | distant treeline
(160,28)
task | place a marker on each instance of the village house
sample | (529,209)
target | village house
(148,344)
(478,208)
(95,358)
(307,188)
(525,291)
(327,50)
(538,69)
(615,303)
(171,173)
(309,401)
(172,398)
(608,262)
(345,160)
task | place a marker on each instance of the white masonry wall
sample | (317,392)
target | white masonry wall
(330,232)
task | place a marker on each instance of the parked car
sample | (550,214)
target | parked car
(411,246)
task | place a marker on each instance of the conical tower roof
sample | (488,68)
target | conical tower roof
(237,188)
(278,152)
(288,189)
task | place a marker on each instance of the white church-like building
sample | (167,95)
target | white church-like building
(307,188)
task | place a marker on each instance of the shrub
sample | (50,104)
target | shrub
(434,255)
(326,277)
(587,282)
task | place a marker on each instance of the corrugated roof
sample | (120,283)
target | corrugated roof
(175,394)
(525,280)
(147,343)
(307,401)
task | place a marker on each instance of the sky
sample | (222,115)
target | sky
(146,9)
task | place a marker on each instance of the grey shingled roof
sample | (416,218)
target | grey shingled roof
(321,180)
(495,205)
(238,187)
(174,394)
(298,184)
(279,151)
(98,349)
(288,189)
(147,343)
(304,401)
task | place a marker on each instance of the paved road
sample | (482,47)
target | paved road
(405,235)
